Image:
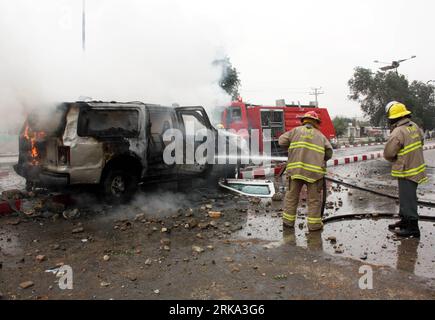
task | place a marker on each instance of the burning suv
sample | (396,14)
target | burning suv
(110,144)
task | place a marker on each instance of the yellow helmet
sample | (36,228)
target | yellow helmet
(396,110)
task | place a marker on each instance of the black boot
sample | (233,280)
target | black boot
(410,229)
(398,224)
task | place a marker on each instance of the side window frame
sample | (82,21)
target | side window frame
(84,133)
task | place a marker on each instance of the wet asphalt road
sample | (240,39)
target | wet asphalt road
(364,241)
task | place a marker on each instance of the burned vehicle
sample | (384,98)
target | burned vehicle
(112,145)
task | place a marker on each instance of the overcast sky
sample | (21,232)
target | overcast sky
(281,48)
(290,46)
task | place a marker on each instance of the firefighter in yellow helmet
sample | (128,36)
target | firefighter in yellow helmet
(308,151)
(405,150)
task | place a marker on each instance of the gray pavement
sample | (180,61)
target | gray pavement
(247,229)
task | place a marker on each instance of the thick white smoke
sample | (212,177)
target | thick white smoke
(154,51)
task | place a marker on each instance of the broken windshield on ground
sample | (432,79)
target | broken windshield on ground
(251,189)
(108,123)
(247,187)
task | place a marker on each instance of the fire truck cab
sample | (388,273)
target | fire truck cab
(243,117)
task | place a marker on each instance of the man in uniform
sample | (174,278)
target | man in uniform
(308,151)
(405,150)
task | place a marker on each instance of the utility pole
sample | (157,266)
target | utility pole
(317,92)
(84,25)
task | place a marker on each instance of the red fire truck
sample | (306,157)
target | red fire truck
(279,119)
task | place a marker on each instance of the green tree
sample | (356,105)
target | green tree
(229,81)
(374,90)
(340,125)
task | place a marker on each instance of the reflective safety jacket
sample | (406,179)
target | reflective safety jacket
(405,150)
(308,151)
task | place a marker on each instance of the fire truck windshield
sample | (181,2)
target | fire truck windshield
(236,113)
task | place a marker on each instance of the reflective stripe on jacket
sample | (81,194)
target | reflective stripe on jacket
(308,151)
(405,150)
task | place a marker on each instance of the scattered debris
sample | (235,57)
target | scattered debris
(339,250)
(255,200)
(13,194)
(213,224)
(214,214)
(26,284)
(106,257)
(203,225)
(13,222)
(191,223)
(71,214)
(278,196)
(332,239)
(78,230)
(165,241)
(139,217)
(40,258)
(126,225)
(197,249)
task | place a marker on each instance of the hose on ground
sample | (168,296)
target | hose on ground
(420,202)
(360,216)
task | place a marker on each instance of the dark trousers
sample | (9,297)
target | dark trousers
(408,199)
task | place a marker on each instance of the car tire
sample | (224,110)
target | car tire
(119,186)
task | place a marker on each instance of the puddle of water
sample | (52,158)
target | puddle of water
(368,238)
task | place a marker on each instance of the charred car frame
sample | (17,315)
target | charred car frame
(110,144)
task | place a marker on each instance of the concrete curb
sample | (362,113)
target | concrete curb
(361,145)
(370,144)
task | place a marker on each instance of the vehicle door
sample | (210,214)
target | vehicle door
(161,119)
(194,122)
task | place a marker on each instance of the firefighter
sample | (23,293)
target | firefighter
(405,150)
(308,151)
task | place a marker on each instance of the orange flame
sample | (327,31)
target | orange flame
(33,136)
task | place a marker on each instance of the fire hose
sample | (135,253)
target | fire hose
(420,202)
(354,216)
(359,216)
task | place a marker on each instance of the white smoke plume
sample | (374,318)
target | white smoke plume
(154,51)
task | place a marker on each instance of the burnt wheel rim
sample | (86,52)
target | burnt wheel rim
(118,186)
